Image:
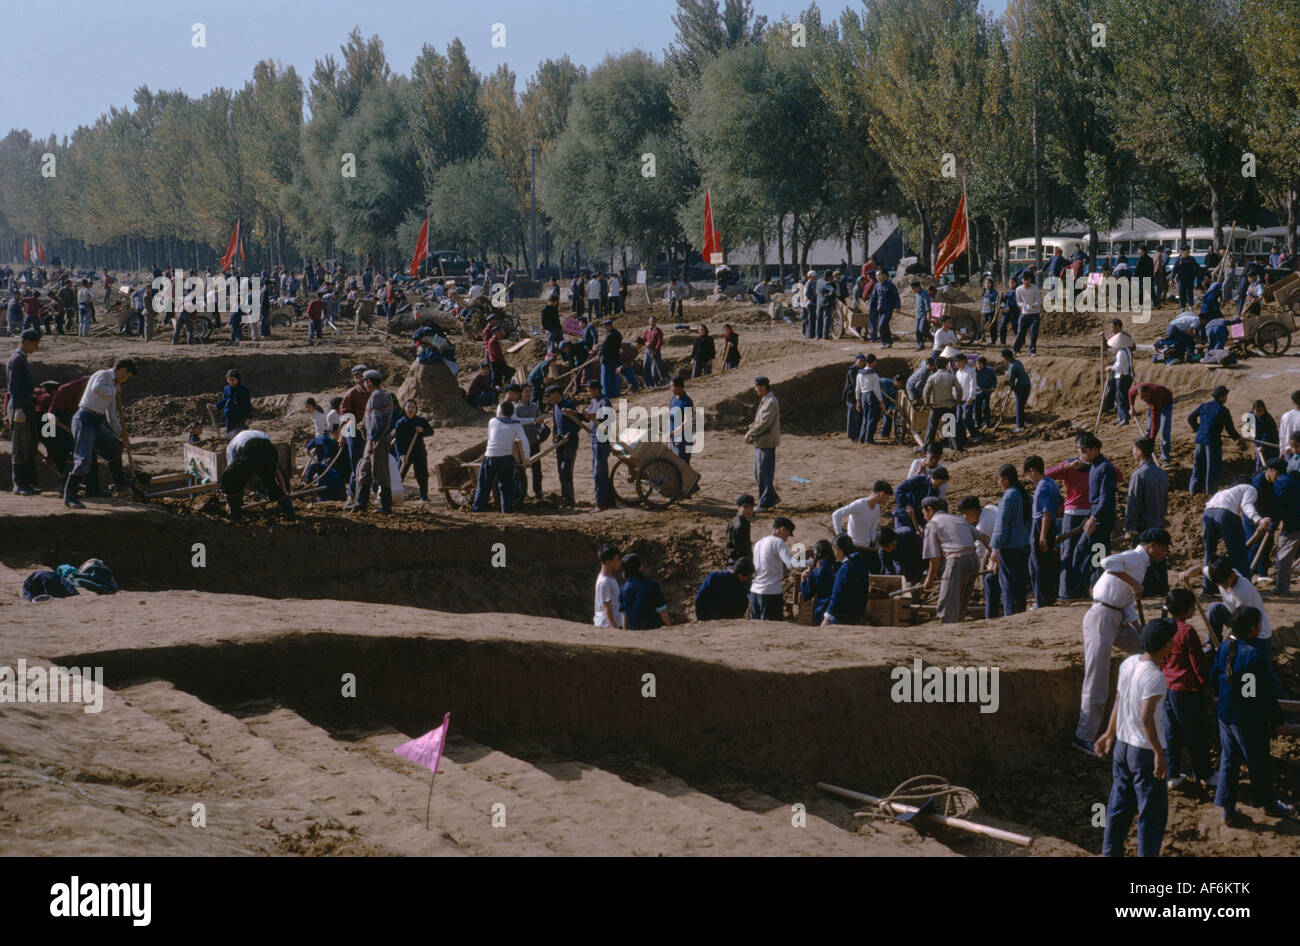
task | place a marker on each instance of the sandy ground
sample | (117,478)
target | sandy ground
(540,723)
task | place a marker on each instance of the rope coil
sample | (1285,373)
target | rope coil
(953,801)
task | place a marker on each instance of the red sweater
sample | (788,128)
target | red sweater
(1184,668)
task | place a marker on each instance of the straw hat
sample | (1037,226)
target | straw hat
(1120,340)
(950,351)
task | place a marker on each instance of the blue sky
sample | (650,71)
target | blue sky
(69,62)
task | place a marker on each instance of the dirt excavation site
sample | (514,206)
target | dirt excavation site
(257,677)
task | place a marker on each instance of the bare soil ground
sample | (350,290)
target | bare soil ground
(225,680)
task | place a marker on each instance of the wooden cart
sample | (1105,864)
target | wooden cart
(649,473)
(456,476)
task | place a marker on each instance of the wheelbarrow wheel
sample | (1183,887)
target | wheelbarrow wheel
(1273,339)
(622,474)
(202,327)
(659,484)
(837,322)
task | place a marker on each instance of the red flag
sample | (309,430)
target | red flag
(421,249)
(231,248)
(40,249)
(27,249)
(712,249)
(954,244)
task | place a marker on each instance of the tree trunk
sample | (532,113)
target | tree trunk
(848,247)
(927,236)
(1217,187)
(780,249)
(1292,212)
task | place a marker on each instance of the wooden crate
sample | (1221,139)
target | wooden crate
(208,465)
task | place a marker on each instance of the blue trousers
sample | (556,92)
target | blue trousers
(1013,578)
(1207,465)
(1134,790)
(1223,524)
(809,321)
(872,421)
(1122,385)
(496,473)
(882,326)
(1022,396)
(1028,326)
(992,597)
(966,417)
(824,321)
(92,435)
(922,330)
(766,607)
(85,319)
(1081,555)
(600,474)
(764,474)
(1185,728)
(1074,568)
(873,323)
(1165,427)
(628,374)
(853,421)
(609,381)
(1240,743)
(1043,569)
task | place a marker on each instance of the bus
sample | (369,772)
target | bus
(1021,250)
(1261,243)
(1201,240)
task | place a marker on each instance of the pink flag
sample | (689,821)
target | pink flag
(427,749)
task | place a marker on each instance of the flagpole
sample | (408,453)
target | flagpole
(429,804)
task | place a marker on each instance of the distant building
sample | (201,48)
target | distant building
(884,242)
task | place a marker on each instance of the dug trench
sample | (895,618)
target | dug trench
(444,566)
(758,707)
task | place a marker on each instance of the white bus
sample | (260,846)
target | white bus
(1201,240)
(1022,250)
(1261,243)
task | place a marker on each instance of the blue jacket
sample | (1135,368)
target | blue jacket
(1210,420)
(1101,491)
(1011,531)
(848,600)
(1259,710)
(817,587)
(21,385)
(1010,308)
(410,430)
(237,404)
(563,425)
(722,595)
(910,493)
(885,297)
(326,446)
(1186,270)
(1286,502)
(1017,376)
(641,601)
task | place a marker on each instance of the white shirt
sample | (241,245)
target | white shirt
(502,434)
(321,422)
(1243,595)
(100,396)
(607,593)
(1029,298)
(1139,680)
(1123,364)
(242,438)
(917,468)
(945,337)
(770,555)
(1287,425)
(868,382)
(614,285)
(331,418)
(1112,590)
(84,296)
(863,521)
(475,291)
(1238,500)
(966,378)
(988,521)
(593,288)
